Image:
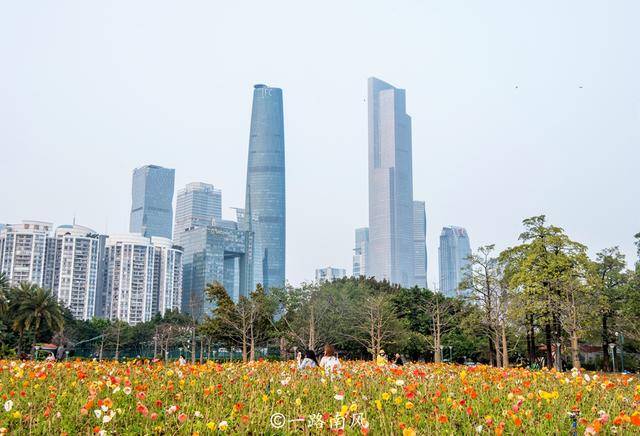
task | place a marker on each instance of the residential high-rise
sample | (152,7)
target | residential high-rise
(329,274)
(360,252)
(167,276)
(197,205)
(24,249)
(391,247)
(144,277)
(420,243)
(265,211)
(453,254)
(152,201)
(130,278)
(76,269)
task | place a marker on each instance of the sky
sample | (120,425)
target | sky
(519,108)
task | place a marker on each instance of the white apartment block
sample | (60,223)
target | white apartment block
(23,251)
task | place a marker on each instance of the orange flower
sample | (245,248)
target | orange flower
(635,419)
(442,419)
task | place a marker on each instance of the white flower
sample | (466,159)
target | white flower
(116,390)
(104,407)
(399,382)
(479,429)
(108,417)
(127,390)
(98,413)
(198,414)
(587,378)
(8,405)
(222,425)
(339,397)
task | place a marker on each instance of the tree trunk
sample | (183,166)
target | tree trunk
(244,346)
(201,350)
(283,350)
(498,351)
(193,345)
(312,330)
(575,351)
(505,351)
(117,354)
(101,348)
(252,355)
(606,364)
(548,341)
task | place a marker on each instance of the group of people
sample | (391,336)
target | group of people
(329,360)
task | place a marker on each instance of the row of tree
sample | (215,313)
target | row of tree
(534,303)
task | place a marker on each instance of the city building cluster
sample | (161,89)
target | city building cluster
(165,262)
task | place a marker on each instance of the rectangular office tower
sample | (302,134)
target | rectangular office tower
(152,201)
(265,210)
(24,249)
(391,247)
(420,243)
(453,252)
(360,252)
(330,274)
(220,253)
(197,205)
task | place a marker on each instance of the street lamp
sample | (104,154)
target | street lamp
(441,352)
(450,355)
(612,347)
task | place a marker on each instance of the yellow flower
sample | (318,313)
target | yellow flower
(265,398)
(211,426)
(298,401)
(408,405)
(353,407)
(343,410)
(17,414)
(378,404)
(398,400)
(386,396)
(408,432)
(223,426)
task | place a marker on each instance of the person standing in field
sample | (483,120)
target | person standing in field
(330,361)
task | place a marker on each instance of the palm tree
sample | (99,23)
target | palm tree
(35,307)
(4,288)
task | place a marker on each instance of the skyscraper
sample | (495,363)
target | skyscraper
(265,193)
(391,248)
(24,249)
(197,205)
(329,274)
(76,269)
(420,243)
(167,276)
(453,252)
(360,252)
(152,201)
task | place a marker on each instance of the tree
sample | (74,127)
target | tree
(37,307)
(484,280)
(540,268)
(4,288)
(608,282)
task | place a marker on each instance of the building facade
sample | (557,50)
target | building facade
(152,201)
(197,205)
(420,243)
(453,254)
(391,247)
(221,253)
(265,211)
(24,249)
(167,276)
(76,269)
(360,252)
(329,274)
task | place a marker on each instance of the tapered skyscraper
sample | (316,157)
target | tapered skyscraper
(391,247)
(453,261)
(265,195)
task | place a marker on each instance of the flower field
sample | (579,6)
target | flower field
(82,397)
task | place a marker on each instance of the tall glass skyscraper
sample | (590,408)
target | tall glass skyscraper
(152,201)
(197,205)
(265,195)
(360,252)
(391,248)
(453,252)
(420,243)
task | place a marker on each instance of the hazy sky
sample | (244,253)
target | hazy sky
(519,108)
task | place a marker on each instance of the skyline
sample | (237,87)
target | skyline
(547,146)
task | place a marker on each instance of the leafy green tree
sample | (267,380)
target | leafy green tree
(36,308)
(540,268)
